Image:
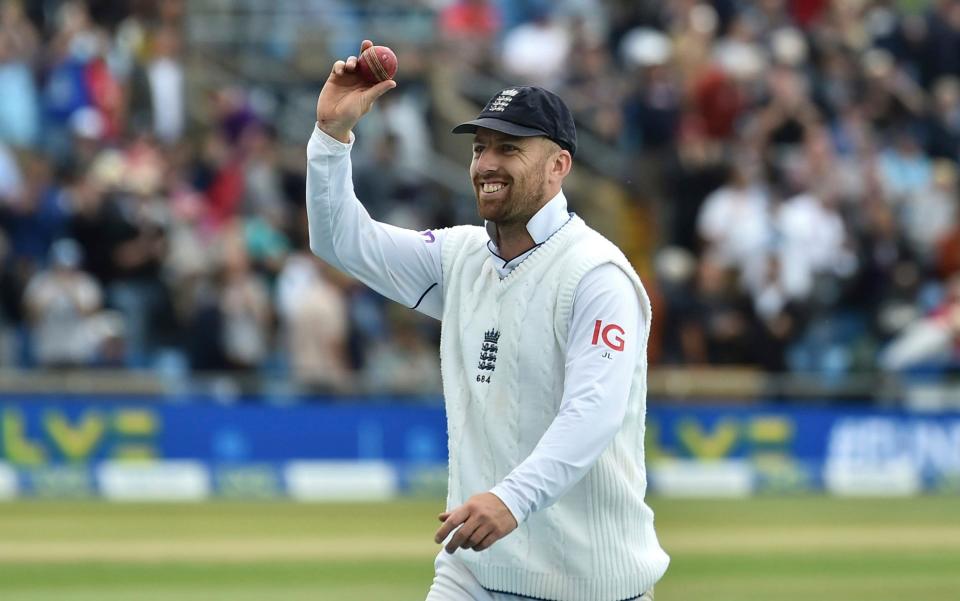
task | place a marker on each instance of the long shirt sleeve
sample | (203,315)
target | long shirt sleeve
(602,349)
(405,266)
(401,264)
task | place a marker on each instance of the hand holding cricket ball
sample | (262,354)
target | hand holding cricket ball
(352,87)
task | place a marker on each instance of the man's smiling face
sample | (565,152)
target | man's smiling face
(509,175)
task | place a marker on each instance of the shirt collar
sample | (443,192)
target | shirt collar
(542,225)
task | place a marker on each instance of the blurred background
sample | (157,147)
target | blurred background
(782,173)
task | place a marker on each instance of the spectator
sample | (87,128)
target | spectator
(813,243)
(19,114)
(245,309)
(75,46)
(739,52)
(717,329)
(313,314)
(158,89)
(888,276)
(22,37)
(735,223)
(189,262)
(941,50)
(948,252)
(37,214)
(262,177)
(695,170)
(126,239)
(63,306)
(904,169)
(11,297)
(890,97)
(402,117)
(266,241)
(680,340)
(593,86)
(379,178)
(651,108)
(474,22)
(933,341)
(536,52)
(930,213)
(404,362)
(718,102)
(835,81)
(943,124)
(11,179)
(779,319)
(788,115)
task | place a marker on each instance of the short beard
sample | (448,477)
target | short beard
(528,204)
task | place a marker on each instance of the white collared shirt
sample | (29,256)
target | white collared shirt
(541,226)
(405,266)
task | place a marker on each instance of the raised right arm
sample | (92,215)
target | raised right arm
(401,264)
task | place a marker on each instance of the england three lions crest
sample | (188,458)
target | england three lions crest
(488,355)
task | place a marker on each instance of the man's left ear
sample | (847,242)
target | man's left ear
(562,163)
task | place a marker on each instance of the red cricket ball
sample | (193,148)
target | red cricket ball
(377,63)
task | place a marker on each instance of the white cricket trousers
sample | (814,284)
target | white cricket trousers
(454,582)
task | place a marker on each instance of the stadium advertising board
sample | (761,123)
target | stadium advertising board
(847,451)
(84,446)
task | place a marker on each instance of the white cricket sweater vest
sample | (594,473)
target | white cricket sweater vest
(502,359)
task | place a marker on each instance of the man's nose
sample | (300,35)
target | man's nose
(487,161)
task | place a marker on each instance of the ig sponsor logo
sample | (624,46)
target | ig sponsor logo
(611,335)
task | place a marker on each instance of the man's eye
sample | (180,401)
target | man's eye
(477,149)
(509,148)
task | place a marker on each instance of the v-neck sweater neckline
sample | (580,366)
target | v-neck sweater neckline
(541,252)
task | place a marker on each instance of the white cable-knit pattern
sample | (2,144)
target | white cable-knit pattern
(596,543)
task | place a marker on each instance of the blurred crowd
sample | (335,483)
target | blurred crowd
(799,159)
(130,239)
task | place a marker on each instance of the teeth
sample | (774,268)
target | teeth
(492,187)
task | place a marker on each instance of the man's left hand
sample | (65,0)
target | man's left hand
(483,520)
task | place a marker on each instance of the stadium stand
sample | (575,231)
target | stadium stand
(783,173)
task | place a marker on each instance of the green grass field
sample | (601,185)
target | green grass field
(765,549)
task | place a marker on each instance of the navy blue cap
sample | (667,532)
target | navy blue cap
(526,111)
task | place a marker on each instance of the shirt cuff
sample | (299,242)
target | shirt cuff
(510,501)
(324,143)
